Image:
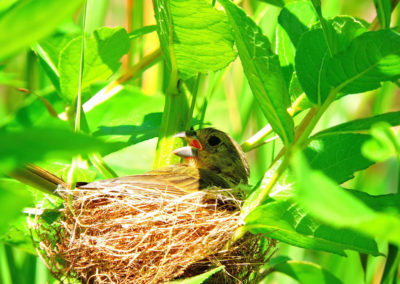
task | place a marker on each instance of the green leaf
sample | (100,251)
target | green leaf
(29,21)
(36,144)
(306,272)
(383,145)
(370,58)
(199,278)
(49,51)
(295,19)
(312,55)
(389,203)
(357,125)
(14,196)
(142,31)
(102,53)
(279,3)
(338,155)
(200,34)
(128,120)
(285,221)
(384,12)
(262,69)
(327,202)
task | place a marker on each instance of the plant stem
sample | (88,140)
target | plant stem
(301,136)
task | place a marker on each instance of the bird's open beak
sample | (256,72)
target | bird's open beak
(191,138)
(194,145)
(186,152)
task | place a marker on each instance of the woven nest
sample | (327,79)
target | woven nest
(122,235)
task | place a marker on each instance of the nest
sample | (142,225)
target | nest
(123,235)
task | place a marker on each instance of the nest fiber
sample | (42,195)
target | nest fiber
(137,235)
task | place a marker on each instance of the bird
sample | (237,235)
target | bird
(212,158)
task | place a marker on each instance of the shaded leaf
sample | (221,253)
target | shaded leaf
(312,55)
(393,118)
(262,69)
(287,222)
(279,3)
(199,278)
(102,53)
(295,19)
(306,272)
(16,34)
(334,206)
(338,155)
(384,203)
(30,145)
(384,12)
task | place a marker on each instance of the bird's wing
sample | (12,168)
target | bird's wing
(175,179)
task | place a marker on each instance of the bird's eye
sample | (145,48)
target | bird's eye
(213,140)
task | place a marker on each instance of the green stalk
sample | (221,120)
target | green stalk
(301,137)
(72,175)
(175,112)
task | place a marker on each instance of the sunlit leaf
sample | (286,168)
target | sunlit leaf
(14,196)
(336,207)
(36,144)
(102,53)
(357,125)
(285,221)
(306,272)
(262,69)
(24,23)
(201,36)
(384,143)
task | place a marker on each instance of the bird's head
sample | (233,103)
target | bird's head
(216,151)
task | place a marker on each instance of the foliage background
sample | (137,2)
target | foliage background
(133,116)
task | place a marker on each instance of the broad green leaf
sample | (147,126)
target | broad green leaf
(306,272)
(49,51)
(287,222)
(383,145)
(262,69)
(371,58)
(357,125)
(338,156)
(200,34)
(14,196)
(36,144)
(383,203)
(29,21)
(384,12)
(35,113)
(327,202)
(312,54)
(129,116)
(102,53)
(295,19)
(199,278)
